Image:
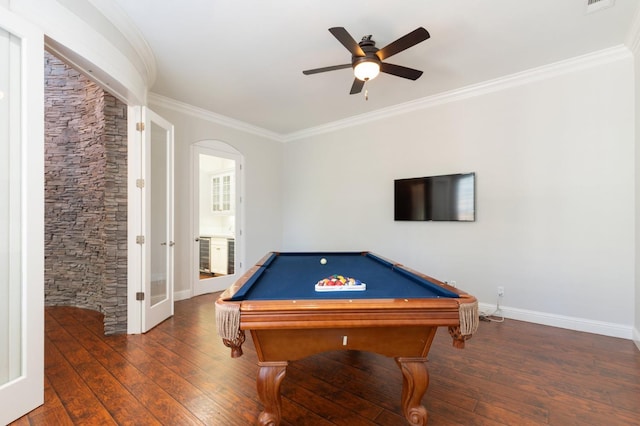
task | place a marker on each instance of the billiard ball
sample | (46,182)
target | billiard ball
(323,261)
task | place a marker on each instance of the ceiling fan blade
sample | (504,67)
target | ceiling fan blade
(325,69)
(414,37)
(347,41)
(357,86)
(400,71)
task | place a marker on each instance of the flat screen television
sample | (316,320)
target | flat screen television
(436,198)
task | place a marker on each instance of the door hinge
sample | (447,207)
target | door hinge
(140,126)
(139,239)
(139,295)
(140,183)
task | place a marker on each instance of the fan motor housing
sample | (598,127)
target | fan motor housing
(369,48)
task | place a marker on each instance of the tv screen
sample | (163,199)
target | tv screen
(436,198)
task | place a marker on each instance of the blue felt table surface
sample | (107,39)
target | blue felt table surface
(293,276)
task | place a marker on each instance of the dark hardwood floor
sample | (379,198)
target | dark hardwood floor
(179,373)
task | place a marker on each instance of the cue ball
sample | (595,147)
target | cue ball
(323,261)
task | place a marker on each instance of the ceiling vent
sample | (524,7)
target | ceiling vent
(595,5)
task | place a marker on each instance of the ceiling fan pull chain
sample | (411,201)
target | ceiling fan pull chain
(366,91)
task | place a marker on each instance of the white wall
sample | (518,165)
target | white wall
(262,182)
(555,195)
(555,168)
(636,331)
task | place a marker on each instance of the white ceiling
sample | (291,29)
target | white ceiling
(243,59)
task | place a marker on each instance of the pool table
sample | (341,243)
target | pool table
(391,310)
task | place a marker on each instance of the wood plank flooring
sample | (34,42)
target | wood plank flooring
(179,373)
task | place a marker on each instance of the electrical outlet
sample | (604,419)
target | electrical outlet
(452,283)
(500,291)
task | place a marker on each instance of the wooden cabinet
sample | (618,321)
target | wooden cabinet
(222,193)
(219,255)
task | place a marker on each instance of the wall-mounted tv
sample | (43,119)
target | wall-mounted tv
(436,198)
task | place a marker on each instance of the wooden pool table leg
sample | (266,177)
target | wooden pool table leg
(270,377)
(415,379)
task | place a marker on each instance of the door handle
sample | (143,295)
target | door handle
(197,239)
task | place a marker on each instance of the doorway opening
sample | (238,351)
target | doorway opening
(85,195)
(217,209)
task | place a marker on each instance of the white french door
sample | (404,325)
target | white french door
(21,217)
(158,243)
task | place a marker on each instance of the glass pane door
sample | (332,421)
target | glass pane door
(216,216)
(158,214)
(10,211)
(159,238)
(21,217)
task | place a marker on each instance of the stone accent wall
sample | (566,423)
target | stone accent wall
(115,216)
(85,196)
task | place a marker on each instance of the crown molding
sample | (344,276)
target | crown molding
(633,36)
(590,60)
(71,31)
(163,101)
(110,10)
(535,74)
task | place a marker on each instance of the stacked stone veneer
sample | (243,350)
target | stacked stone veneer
(85,196)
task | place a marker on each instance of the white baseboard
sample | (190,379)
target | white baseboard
(553,320)
(181,295)
(561,321)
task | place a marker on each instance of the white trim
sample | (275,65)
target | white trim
(535,74)
(181,295)
(134,221)
(163,101)
(563,321)
(74,39)
(114,13)
(633,35)
(636,337)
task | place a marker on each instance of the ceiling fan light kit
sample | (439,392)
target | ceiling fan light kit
(366,70)
(367,59)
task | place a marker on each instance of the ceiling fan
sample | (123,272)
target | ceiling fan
(367,59)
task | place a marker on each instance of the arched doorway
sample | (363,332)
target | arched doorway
(217,252)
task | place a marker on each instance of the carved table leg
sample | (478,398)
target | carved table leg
(269,379)
(415,379)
